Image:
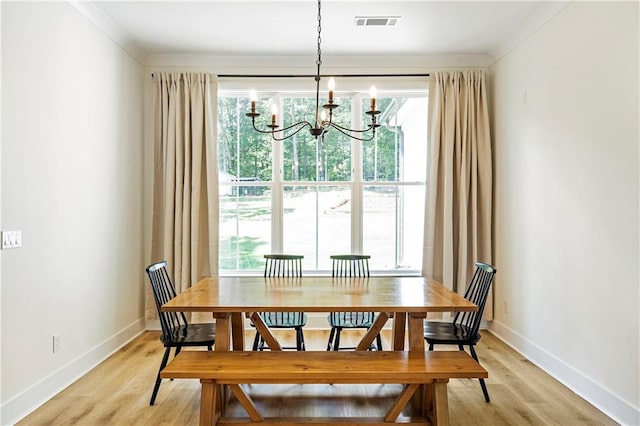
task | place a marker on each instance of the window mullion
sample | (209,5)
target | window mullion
(356,178)
(277,202)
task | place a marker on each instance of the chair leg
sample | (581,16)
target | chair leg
(163,364)
(256,341)
(300,339)
(430,346)
(482,384)
(330,343)
(303,345)
(336,342)
(379,342)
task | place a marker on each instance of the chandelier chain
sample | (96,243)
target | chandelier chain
(321,123)
(319,61)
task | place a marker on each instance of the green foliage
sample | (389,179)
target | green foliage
(245,153)
(304,157)
(242,152)
(380,156)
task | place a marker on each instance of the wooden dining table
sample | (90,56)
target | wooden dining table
(406,299)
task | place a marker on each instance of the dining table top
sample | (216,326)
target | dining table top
(318,294)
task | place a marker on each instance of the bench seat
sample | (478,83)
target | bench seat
(424,374)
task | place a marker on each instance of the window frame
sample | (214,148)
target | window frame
(403,87)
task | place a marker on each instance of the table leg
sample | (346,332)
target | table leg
(223,331)
(223,343)
(416,331)
(237,331)
(416,344)
(398,331)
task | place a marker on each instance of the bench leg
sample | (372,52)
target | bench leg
(247,403)
(401,402)
(209,409)
(440,405)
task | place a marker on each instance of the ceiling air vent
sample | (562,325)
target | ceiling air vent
(376,21)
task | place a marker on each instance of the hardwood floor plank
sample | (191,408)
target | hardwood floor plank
(117,392)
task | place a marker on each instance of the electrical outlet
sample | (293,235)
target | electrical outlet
(506,307)
(56,343)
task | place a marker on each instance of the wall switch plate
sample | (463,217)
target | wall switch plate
(11,239)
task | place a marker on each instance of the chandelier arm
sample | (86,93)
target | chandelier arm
(266,132)
(304,125)
(340,129)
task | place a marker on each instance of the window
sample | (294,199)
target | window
(326,196)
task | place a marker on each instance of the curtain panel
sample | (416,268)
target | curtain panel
(185,182)
(458,215)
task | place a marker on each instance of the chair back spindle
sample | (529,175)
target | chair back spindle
(283,265)
(350,265)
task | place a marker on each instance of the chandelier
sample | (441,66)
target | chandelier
(323,120)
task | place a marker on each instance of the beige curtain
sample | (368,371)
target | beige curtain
(185,184)
(459,192)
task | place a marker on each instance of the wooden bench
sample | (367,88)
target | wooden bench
(423,374)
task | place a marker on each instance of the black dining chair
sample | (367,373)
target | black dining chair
(282,265)
(176,330)
(465,327)
(347,266)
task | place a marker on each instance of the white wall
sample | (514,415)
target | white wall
(72,181)
(566,226)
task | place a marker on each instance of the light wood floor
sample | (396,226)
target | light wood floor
(117,392)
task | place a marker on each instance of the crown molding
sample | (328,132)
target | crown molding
(306,64)
(112,30)
(537,19)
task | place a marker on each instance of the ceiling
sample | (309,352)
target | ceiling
(288,28)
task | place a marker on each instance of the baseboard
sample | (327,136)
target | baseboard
(606,401)
(33,397)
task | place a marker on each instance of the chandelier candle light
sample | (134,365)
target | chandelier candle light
(321,124)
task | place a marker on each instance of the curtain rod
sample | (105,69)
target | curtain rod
(322,75)
(313,75)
